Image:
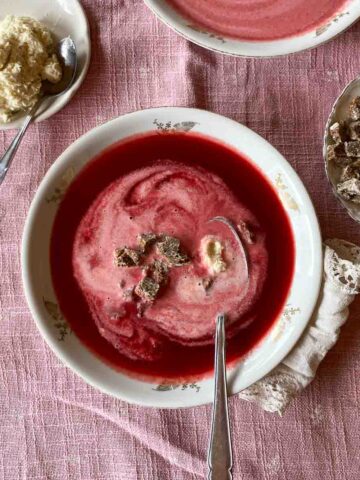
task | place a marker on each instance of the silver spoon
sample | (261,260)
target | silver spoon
(66,52)
(220,453)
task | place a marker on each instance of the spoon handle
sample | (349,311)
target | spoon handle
(220,455)
(6,159)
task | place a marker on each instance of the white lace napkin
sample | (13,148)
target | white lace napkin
(340,285)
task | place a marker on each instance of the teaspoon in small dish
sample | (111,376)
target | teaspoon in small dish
(66,52)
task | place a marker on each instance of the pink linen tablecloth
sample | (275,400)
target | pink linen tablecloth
(52,425)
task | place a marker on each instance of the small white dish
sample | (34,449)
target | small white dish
(64,18)
(36,268)
(340,113)
(343,20)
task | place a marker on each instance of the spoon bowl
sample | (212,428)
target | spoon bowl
(66,53)
(237,236)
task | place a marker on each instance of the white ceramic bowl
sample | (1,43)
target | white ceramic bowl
(200,36)
(36,269)
(340,113)
(64,18)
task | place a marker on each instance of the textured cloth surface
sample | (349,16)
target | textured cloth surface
(341,283)
(55,427)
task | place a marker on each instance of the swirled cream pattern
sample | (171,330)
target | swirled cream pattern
(177,200)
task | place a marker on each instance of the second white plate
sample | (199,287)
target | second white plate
(342,20)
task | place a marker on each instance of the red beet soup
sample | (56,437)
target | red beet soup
(140,274)
(259,19)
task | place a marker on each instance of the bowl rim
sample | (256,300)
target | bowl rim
(35,305)
(332,29)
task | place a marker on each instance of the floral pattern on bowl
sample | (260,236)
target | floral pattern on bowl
(37,276)
(328,25)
